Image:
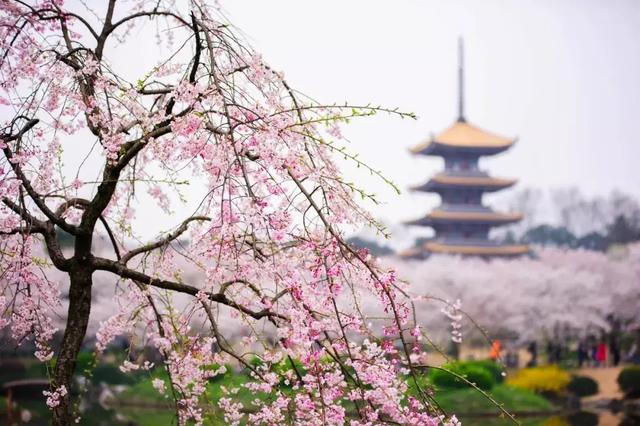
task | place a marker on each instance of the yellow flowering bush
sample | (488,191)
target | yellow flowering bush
(541,379)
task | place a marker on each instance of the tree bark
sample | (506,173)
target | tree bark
(76,328)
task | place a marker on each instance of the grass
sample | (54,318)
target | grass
(513,400)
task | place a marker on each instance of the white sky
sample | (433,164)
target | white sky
(562,76)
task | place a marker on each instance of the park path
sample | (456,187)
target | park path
(606,378)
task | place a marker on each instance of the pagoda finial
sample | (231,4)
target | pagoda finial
(461,80)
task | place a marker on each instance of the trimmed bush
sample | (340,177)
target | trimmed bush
(496,370)
(547,379)
(629,381)
(582,386)
(481,377)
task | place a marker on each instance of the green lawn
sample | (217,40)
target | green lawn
(513,400)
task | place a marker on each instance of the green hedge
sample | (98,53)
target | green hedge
(496,370)
(582,386)
(629,381)
(476,374)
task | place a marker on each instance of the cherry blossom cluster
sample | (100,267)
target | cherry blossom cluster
(452,311)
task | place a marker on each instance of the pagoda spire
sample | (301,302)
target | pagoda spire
(461,118)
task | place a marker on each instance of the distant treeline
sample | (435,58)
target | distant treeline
(579,222)
(621,231)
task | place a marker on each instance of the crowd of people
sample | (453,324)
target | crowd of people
(591,351)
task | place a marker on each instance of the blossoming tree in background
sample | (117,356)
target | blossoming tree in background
(262,217)
(529,298)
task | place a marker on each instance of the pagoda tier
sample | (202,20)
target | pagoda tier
(462,222)
(464,139)
(489,217)
(444,182)
(477,250)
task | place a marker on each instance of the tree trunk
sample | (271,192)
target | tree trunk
(76,328)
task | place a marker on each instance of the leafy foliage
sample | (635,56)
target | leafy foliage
(496,370)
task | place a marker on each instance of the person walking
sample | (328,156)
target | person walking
(583,352)
(601,354)
(496,347)
(614,348)
(533,351)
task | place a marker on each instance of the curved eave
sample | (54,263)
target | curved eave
(458,182)
(506,250)
(436,148)
(462,137)
(437,217)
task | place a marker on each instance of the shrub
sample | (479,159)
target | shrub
(629,381)
(541,379)
(496,370)
(481,377)
(582,386)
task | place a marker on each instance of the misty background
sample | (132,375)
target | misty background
(561,77)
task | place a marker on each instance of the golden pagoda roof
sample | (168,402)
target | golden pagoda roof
(488,216)
(464,135)
(472,180)
(511,250)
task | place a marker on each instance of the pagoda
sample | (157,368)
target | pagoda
(462,222)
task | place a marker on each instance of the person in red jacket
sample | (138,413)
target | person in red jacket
(601,354)
(496,348)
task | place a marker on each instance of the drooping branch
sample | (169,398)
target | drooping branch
(163,241)
(123,271)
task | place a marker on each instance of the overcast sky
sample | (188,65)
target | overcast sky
(561,76)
